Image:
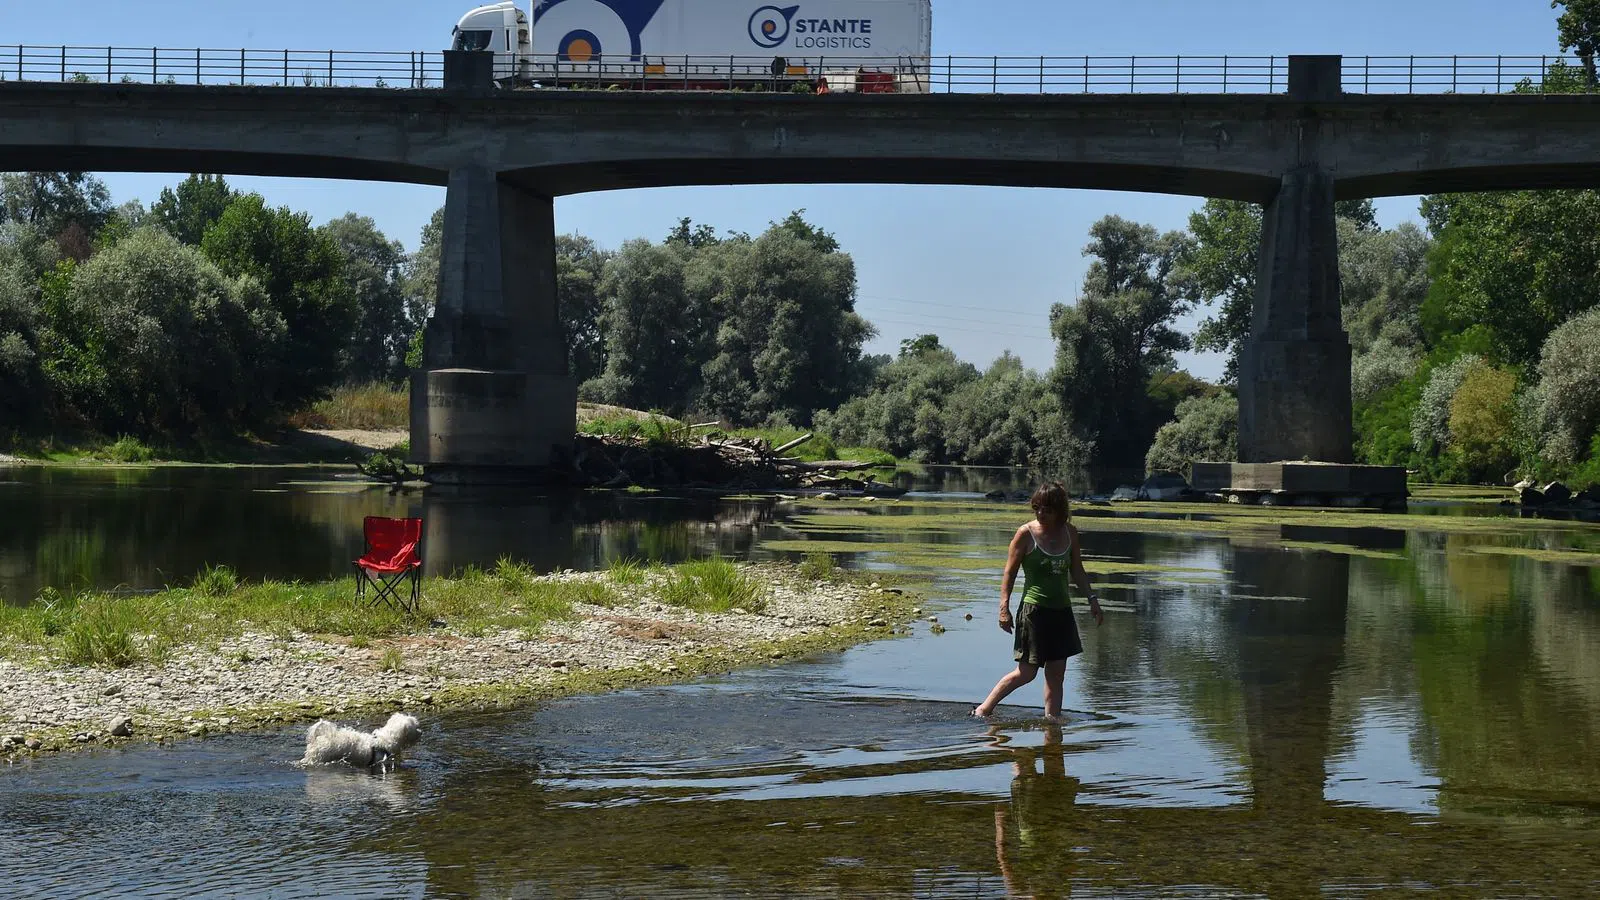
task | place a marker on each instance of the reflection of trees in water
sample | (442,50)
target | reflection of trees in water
(585,529)
(156,527)
(1508,688)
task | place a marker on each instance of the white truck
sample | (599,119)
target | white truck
(868,46)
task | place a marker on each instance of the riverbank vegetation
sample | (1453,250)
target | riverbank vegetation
(114,629)
(210,315)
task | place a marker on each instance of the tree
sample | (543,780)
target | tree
(302,270)
(160,341)
(1008,417)
(422,270)
(1515,264)
(1383,278)
(1483,420)
(1430,423)
(197,203)
(692,236)
(22,381)
(904,413)
(52,202)
(580,269)
(1205,429)
(1119,334)
(788,339)
(656,334)
(372,268)
(1569,372)
(1579,31)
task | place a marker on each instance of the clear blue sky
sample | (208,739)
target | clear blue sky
(979,266)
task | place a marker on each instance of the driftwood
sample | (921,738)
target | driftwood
(709,462)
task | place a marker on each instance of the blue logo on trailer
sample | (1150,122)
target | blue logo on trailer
(769,25)
(581,44)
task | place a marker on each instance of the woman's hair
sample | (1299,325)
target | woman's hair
(1052,496)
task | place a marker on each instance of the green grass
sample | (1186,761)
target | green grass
(215,581)
(392,661)
(126,449)
(821,447)
(817,566)
(367,406)
(656,430)
(627,571)
(119,630)
(712,586)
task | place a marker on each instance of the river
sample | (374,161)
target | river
(1280,703)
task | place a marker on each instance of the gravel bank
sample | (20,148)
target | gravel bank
(263,679)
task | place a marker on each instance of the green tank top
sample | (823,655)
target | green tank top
(1047,579)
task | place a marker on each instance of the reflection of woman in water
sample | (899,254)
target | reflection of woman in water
(1040,803)
(1046,550)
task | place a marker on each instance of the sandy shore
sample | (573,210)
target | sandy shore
(259,680)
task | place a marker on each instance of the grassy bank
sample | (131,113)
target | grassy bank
(118,630)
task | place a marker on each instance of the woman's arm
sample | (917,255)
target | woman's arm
(1080,576)
(1021,543)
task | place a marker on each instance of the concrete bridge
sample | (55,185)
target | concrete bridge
(495,400)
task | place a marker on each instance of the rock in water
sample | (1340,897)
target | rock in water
(1532,497)
(1556,492)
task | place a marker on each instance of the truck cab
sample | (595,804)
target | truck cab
(502,29)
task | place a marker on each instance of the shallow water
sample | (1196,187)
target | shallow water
(1409,714)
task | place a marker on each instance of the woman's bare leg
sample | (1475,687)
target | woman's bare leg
(1055,672)
(1024,673)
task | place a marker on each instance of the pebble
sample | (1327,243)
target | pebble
(198,690)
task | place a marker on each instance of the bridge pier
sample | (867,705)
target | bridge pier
(1294,372)
(493,402)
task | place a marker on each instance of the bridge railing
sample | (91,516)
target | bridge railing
(938,75)
(1453,74)
(278,68)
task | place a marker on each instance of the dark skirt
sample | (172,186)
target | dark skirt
(1043,635)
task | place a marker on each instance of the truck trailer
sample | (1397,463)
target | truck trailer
(868,46)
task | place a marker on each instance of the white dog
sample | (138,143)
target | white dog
(330,743)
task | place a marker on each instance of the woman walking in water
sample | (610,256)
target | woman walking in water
(1046,635)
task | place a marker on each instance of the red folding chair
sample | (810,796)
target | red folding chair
(392,556)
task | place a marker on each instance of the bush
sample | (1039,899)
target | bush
(711,586)
(1569,372)
(1206,429)
(1380,368)
(126,450)
(1430,421)
(215,581)
(1483,418)
(817,566)
(370,406)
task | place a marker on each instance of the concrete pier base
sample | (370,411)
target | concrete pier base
(1303,484)
(493,403)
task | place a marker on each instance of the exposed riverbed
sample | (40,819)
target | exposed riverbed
(1280,703)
